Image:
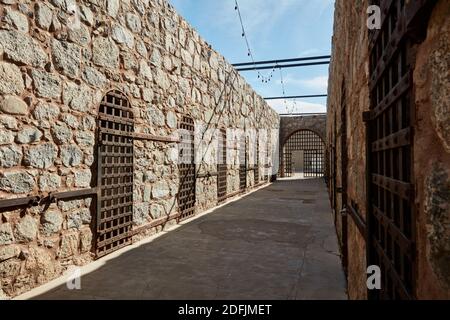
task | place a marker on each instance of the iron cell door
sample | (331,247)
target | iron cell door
(186,168)
(222,166)
(391,216)
(266,162)
(314,153)
(344,175)
(287,164)
(256,170)
(114,173)
(243,164)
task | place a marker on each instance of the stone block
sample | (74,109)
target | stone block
(6,234)
(13,105)
(69,245)
(27,229)
(17,182)
(51,222)
(41,156)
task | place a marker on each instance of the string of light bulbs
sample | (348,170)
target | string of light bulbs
(294,104)
(264,79)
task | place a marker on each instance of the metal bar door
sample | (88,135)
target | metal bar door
(314,153)
(243,164)
(256,170)
(222,166)
(186,168)
(115,173)
(391,217)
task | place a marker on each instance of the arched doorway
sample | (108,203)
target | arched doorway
(114,173)
(303,155)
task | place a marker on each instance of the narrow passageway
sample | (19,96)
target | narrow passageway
(277,243)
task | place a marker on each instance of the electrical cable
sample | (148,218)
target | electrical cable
(263,78)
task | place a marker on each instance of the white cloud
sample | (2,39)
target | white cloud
(299,107)
(259,16)
(319,83)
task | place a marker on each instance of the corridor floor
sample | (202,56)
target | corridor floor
(276,243)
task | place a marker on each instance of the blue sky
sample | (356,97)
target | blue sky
(276,29)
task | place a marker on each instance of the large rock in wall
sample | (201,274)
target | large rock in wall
(432,156)
(57,61)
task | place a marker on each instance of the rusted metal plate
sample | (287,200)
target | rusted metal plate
(186,168)
(115,174)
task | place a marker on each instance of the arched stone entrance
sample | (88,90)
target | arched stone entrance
(303,155)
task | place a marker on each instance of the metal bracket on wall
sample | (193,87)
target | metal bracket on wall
(50,198)
(26,201)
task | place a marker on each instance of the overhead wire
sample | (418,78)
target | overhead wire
(264,79)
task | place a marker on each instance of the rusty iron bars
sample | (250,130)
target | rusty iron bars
(266,163)
(222,166)
(243,164)
(313,154)
(186,167)
(391,226)
(256,171)
(114,174)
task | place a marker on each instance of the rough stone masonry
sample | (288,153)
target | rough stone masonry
(58,59)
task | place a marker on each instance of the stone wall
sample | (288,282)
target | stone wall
(58,59)
(349,87)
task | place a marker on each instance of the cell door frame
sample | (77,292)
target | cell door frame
(256,176)
(115,131)
(222,168)
(392,229)
(186,196)
(243,167)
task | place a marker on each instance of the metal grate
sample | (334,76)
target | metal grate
(391,218)
(243,164)
(256,171)
(115,173)
(186,167)
(222,166)
(313,154)
(266,162)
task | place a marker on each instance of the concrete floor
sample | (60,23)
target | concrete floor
(277,243)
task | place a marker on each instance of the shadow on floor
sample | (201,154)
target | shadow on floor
(277,243)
